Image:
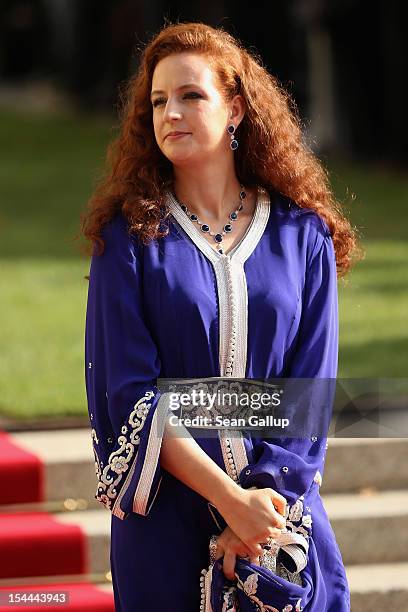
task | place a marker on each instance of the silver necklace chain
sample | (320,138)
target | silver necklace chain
(227,228)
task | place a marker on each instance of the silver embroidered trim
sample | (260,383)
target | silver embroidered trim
(152,456)
(296,520)
(227,454)
(318,478)
(245,246)
(233,305)
(250,587)
(238,452)
(205,588)
(291,542)
(121,460)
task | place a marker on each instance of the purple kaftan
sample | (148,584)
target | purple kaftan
(178,309)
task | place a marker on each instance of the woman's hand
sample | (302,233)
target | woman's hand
(230,547)
(254,515)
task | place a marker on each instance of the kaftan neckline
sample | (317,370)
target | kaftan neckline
(243,249)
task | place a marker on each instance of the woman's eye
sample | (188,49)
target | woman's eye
(191,94)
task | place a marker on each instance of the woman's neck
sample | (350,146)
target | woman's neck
(211,192)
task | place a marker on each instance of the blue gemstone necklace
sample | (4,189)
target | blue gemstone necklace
(204,227)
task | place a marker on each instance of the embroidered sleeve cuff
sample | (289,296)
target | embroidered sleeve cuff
(145,475)
(130,479)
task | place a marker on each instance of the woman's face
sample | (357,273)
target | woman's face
(186,99)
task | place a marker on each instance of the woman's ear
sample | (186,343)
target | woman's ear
(237,109)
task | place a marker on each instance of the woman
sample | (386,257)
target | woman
(220,239)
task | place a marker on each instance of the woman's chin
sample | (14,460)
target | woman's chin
(181,159)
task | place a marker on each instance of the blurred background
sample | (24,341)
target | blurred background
(61,64)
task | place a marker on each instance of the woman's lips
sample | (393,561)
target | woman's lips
(176,136)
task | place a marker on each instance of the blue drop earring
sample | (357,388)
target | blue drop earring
(234,141)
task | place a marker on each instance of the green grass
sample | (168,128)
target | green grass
(373,310)
(46,177)
(41,369)
(373,304)
(47,173)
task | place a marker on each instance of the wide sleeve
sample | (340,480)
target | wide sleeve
(293,465)
(127,412)
(316,354)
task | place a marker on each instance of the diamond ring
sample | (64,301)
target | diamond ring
(269,543)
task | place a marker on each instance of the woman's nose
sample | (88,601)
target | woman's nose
(172,111)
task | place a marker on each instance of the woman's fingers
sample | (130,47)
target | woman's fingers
(257,550)
(280,523)
(219,552)
(278,501)
(229,547)
(228,564)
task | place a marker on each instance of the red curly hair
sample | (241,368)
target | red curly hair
(272,151)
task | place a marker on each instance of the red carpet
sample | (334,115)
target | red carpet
(35,544)
(82,598)
(21,473)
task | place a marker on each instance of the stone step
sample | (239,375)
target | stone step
(351,464)
(378,587)
(372,532)
(67,456)
(82,594)
(370,527)
(96,525)
(372,587)
(32,530)
(103,581)
(356,463)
